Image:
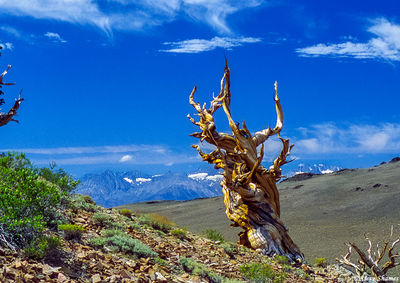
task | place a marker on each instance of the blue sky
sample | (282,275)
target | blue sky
(106,83)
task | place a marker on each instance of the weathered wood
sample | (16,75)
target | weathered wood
(371,260)
(5,118)
(250,194)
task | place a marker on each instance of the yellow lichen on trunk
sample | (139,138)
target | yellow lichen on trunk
(251,197)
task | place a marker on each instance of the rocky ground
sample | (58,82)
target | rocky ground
(77,260)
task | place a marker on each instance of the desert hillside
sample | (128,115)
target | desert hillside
(322,211)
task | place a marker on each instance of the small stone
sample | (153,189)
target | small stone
(29,277)
(96,278)
(18,264)
(160,277)
(126,274)
(61,278)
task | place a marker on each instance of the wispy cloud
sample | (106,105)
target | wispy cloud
(55,37)
(202,45)
(11,31)
(328,138)
(130,14)
(384,45)
(116,154)
(90,149)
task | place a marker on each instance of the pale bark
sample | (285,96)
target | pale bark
(250,193)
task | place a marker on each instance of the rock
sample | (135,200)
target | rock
(125,274)
(61,278)
(29,277)
(159,277)
(96,278)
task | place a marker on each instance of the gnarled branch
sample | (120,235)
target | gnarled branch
(5,118)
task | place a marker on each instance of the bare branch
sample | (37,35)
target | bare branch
(3,74)
(370,261)
(263,135)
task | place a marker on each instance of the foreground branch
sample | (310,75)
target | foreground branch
(371,260)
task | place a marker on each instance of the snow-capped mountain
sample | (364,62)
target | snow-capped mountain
(314,168)
(116,188)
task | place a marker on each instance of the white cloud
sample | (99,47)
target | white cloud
(7,45)
(329,138)
(55,37)
(129,14)
(202,45)
(385,45)
(126,158)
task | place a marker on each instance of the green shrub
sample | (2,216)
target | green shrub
(59,177)
(135,226)
(179,233)
(43,247)
(157,222)
(213,235)
(83,202)
(102,219)
(230,249)
(300,272)
(28,203)
(126,212)
(161,262)
(119,241)
(281,259)
(261,272)
(198,269)
(71,231)
(320,262)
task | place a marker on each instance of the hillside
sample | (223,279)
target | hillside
(322,212)
(146,248)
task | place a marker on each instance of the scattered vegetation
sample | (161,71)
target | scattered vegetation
(320,262)
(262,272)
(179,233)
(83,202)
(102,219)
(193,267)
(213,235)
(43,247)
(118,241)
(157,222)
(126,212)
(281,259)
(230,249)
(71,231)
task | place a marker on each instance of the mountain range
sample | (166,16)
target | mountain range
(111,188)
(115,188)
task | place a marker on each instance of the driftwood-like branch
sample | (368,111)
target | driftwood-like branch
(5,118)
(250,193)
(372,259)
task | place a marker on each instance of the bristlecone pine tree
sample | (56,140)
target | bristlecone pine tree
(250,193)
(7,117)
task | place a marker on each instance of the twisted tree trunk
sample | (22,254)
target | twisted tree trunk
(250,194)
